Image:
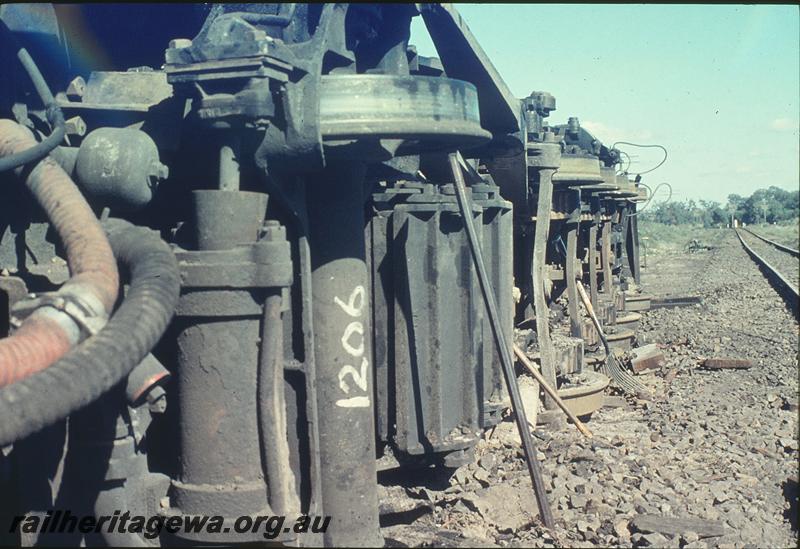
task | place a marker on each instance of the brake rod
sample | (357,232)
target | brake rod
(465,207)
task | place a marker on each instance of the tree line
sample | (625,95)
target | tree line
(771,205)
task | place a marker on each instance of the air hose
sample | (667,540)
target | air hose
(48,333)
(103,360)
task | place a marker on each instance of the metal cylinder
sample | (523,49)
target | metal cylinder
(219,325)
(229,165)
(593,252)
(272,416)
(633,244)
(217,380)
(119,167)
(224,219)
(342,342)
(546,157)
(496,242)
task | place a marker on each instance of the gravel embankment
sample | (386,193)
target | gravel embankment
(784,262)
(710,461)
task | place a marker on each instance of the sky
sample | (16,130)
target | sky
(717,85)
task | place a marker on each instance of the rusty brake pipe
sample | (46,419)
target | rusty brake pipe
(502,346)
(272,412)
(49,332)
(54,115)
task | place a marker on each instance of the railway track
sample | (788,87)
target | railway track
(785,280)
(781,247)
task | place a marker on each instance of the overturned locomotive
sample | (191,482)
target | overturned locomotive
(236,279)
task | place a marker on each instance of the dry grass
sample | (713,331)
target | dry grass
(787,234)
(660,239)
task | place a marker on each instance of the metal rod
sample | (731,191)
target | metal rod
(571,274)
(627,265)
(229,169)
(593,258)
(550,391)
(272,411)
(781,247)
(606,258)
(500,341)
(544,206)
(633,227)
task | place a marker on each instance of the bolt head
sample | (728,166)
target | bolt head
(75,126)
(76,89)
(177,43)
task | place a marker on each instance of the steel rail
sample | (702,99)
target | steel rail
(779,282)
(781,247)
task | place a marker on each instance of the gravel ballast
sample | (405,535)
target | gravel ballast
(711,460)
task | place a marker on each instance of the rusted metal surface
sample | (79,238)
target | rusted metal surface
(339,312)
(585,394)
(670,302)
(727,364)
(637,302)
(646,358)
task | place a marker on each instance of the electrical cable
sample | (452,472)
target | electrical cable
(645,147)
(652,195)
(625,170)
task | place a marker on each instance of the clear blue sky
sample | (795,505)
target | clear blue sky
(718,86)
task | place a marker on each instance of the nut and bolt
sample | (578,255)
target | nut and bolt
(157,400)
(273,231)
(75,126)
(158,172)
(76,89)
(179,43)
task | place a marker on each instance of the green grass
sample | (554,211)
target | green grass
(663,239)
(787,234)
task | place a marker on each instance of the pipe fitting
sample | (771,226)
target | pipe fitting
(75,307)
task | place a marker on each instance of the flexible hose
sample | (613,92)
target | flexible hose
(41,341)
(104,359)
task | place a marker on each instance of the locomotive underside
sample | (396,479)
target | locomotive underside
(236,274)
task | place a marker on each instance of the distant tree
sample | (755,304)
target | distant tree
(774,203)
(778,205)
(713,214)
(672,213)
